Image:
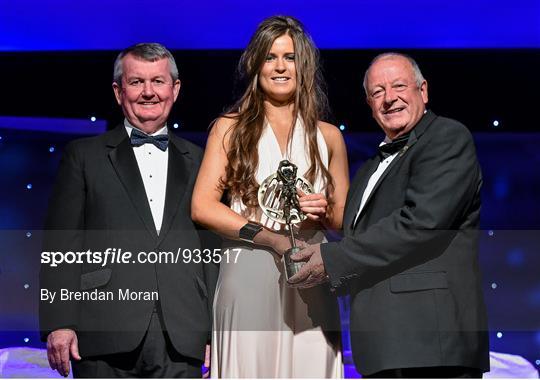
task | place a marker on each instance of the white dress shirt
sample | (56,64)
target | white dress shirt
(153,164)
(383,165)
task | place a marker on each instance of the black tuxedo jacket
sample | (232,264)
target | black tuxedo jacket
(99,202)
(411,260)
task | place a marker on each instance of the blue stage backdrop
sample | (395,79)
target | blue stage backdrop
(34,25)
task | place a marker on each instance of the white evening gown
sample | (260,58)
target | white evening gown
(262,328)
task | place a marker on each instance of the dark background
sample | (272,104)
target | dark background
(473,86)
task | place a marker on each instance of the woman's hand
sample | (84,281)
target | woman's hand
(313,205)
(281,243)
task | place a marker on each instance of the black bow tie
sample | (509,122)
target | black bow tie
(395,146)
(139,138)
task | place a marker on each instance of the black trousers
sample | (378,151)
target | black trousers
(428,372)
(155,357)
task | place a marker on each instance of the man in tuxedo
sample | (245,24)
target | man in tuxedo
(409,252)
(129,190)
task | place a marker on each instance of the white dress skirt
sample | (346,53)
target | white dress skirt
(261,327)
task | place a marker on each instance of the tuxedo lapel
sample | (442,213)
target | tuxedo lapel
(384,174)
(125,164)
(178,173)
(418,130)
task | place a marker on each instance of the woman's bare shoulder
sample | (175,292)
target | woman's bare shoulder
(223,124)
(332,135)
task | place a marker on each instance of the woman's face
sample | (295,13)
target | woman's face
(278,74)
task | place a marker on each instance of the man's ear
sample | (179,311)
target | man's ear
(176,88)
(424,91)
(117,92)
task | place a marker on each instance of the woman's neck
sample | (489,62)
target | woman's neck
(279,115)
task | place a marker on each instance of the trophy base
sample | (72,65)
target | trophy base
(291,267)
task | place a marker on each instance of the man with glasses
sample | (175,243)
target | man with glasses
(129,189)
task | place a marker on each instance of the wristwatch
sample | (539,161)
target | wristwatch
(248,231)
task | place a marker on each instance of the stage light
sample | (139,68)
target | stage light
(493,285)
(28,234)
(26,286)
(176,126)
(26,340)
(342,127)
(93,118)
(495,123)
(0,138)
(499,335)
(51,149)
(491,233)
(29,186)
(537,361)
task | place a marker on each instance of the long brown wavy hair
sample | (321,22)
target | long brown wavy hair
(310,103)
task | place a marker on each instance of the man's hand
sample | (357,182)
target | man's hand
(313,205)
(312,272)
(206,365)
(61,344)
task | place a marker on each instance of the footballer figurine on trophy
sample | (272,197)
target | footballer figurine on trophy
(278,198)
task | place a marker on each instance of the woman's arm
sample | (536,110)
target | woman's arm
(206,206)
(338,167)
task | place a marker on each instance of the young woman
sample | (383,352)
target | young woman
(262,327)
